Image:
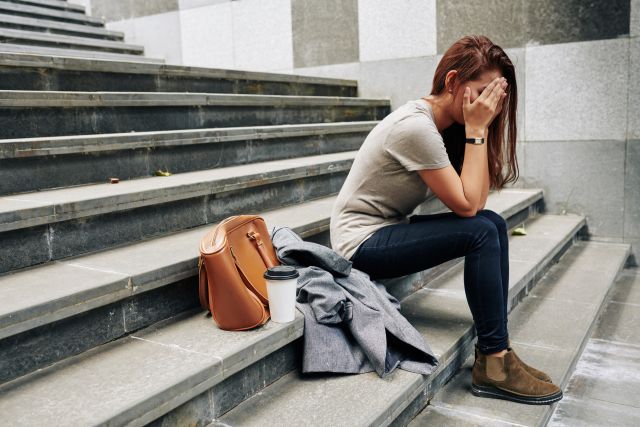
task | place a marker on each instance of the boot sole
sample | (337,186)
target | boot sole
(494,392)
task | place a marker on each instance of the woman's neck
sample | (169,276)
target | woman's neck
(441,115)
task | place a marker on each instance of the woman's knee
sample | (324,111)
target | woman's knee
(497,219)
(487,230)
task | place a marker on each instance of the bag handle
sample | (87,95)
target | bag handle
(255,236)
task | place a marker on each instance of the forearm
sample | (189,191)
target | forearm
(472,174)
(485,178)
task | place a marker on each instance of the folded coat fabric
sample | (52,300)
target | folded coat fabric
(351,323)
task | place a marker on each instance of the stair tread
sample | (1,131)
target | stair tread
(57,51)
(88,281)
(72,40)
(45,11)
(135,377)
(58,25)
(453,322)
(87,64)
(548,331)
(338,401)
(112,274)
(30,98)
(57,145)
(28,209)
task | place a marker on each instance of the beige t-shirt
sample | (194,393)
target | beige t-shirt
(382,186)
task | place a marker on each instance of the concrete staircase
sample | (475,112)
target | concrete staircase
(99,321)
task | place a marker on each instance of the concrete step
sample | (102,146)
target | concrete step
(24,72)
(9,48)
(603,388)
(439,311)
(37,38)
(549,331)
(442,314)
(27,114)
(54,224)
(57,27)
(43,163)
(123,289)
(52,4)
(182,390)
(64,308)
(34,72)
(32,11)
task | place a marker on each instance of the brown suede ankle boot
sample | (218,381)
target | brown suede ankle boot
(533,371)
(505,378)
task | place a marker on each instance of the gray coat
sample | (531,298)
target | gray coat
(351,323)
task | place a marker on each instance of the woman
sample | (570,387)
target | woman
(421,149)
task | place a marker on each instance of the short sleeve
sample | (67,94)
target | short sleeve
(416,145)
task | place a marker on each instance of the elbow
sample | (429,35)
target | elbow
(468,213)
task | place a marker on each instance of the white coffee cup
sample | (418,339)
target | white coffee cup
(281,290)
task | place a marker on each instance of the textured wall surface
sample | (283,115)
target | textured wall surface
(577,68)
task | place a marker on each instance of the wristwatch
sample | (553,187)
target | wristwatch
(474,141)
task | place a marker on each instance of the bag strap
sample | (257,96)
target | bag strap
(255,236)
(203,289)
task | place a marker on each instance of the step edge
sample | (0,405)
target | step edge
(601,305)
(45,11)
(18,148)
(69,40)
(57,25)
(46,316)
(48,213)
(74,63)
(448,355)
(6,48)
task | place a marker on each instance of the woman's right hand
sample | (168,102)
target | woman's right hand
(478,115)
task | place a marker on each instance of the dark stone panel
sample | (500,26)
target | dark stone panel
(273,196)
(116,10)
(324,32)
(24,247)
(38,173)
(552,21)
(500,20)
(97,232)
(19,122)
(29,78)
(88,234)
(61,31)
(510,23)
(323,238)
(284,88)
(37,348)
(232,153)
(38,15)
(213,403)
(149,307)
(244,384)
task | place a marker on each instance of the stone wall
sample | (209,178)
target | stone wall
(578,72)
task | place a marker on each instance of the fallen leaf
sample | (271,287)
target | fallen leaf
(520,231)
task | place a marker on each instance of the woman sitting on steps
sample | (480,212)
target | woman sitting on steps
(404,160)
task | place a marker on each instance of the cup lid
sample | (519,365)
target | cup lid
(281,272)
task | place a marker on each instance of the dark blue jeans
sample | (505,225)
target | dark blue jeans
(428,240)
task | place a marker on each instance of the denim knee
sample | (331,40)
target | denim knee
(496,218)
(487,229)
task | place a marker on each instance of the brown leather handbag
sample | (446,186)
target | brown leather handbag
(233,258)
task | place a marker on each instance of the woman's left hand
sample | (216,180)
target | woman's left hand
(500,102)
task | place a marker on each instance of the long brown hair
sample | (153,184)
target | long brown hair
(471,56)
